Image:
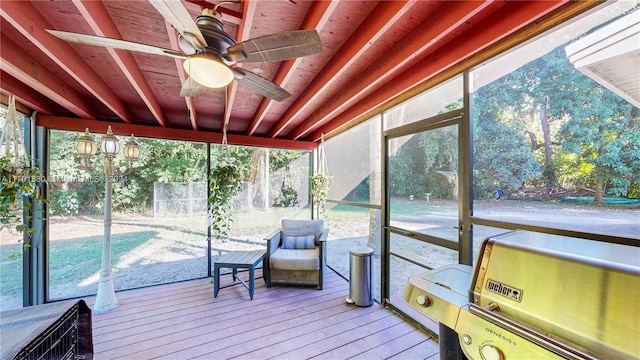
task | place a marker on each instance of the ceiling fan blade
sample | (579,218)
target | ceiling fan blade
(192,88)
(114,43)
(179,17)
(276,47)
(260,85)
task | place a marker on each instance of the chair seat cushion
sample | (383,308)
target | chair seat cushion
(298,259)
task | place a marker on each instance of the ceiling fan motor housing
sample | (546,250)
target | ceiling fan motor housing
(213,32)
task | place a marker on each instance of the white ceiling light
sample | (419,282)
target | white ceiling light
(208,70)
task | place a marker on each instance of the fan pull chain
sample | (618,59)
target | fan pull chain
(225,125)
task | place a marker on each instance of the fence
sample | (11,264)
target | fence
(177,198)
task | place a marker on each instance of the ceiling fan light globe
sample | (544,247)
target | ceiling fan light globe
(208,71)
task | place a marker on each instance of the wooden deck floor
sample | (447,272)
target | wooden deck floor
(184,321)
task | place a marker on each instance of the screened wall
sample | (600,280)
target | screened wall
(159,220)
(147,247)
(554,141)
(353,211)
(527,140)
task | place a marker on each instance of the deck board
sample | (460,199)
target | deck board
(184,321)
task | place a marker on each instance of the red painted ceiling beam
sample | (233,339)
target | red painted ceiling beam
(316,18)
(379,20)
(242,34)
(510,18)
(25,94)
(97,16)
(25,18)
(95,126)
(442,22)
(17,63)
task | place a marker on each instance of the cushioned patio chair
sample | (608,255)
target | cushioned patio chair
(296,254)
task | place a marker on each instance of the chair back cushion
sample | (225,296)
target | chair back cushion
(302,227)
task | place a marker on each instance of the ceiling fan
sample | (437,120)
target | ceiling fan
(209,52)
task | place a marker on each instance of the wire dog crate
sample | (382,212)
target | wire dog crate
(54,331)
(59,341)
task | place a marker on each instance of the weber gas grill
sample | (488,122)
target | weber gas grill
(536,296)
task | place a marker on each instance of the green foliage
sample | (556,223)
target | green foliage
(287,197)
(279,159)
(407,170)
(160,161)
(502,157)
(441,161)
(320,186)
(74,190)
(83,189)
(593,134)
(550,173)
(19,181)
(224,184)
(171,161)
(77,190)
(634,190)
(280,162)
(64,202)
(573,172)
(601,129)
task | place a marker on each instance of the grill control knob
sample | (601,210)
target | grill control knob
(490,352)
(423,300)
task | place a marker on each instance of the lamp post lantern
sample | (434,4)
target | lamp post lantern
(109,145)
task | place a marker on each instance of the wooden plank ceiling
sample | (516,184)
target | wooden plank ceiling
(373,51)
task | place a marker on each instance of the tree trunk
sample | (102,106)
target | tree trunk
(598,197)
(546,133)
(259,178)
(599,194)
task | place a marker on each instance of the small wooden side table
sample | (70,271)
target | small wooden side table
(237,260)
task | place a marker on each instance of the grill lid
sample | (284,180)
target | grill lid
(575,291)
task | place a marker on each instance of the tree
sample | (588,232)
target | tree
(76,190)
(502,155)
(407,172)
(440,148)
(595,124)
(554,104)
(525,99)
(604,131)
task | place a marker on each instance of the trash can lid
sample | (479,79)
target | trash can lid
(361,251)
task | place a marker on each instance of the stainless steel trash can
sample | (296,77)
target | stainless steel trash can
(360,276)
